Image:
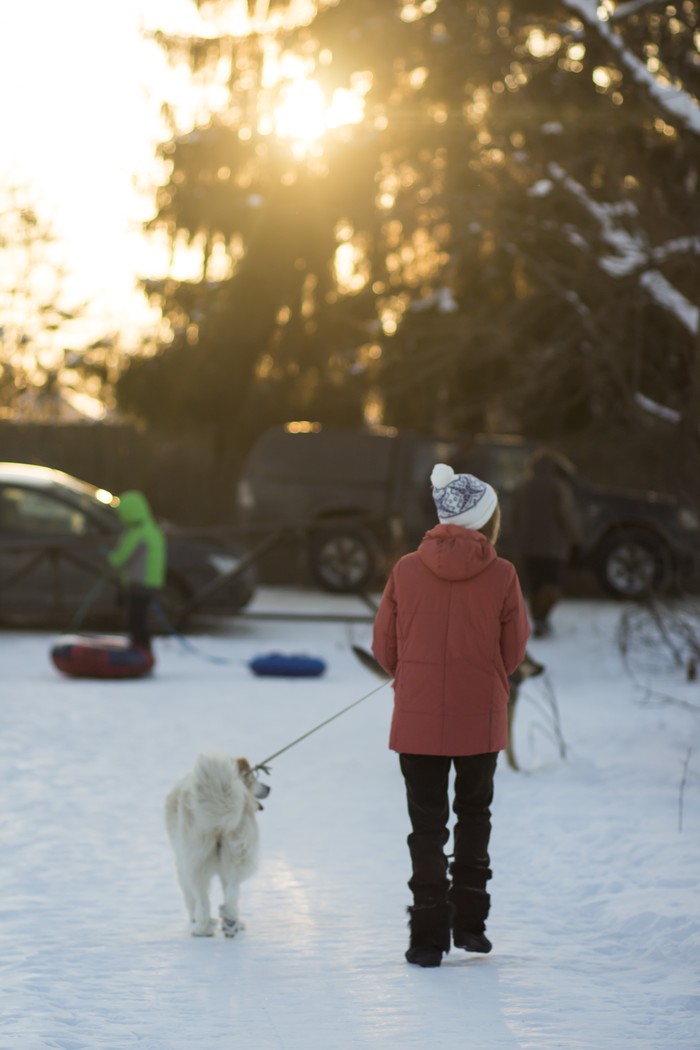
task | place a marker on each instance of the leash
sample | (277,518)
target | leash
(264,764)
(185,644)
(86,604)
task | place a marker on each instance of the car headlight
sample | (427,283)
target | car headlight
(688,519)
(223,562)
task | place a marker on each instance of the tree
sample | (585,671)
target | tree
(493,230)
(46,371)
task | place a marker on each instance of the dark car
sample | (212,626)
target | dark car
(360,495)
(54,533)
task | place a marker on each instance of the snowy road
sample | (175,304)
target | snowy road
(595,920)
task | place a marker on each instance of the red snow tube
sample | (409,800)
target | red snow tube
(84,656)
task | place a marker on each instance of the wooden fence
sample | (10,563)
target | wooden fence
(182,477)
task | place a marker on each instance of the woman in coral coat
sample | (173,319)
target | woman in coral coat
(451,627)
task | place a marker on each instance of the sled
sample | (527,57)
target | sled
(100,656)
(287,665)
(529,668)
(370,662)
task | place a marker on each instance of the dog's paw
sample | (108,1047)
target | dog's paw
(203,929)
(230,927)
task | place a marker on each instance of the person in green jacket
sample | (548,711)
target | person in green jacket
(141,557)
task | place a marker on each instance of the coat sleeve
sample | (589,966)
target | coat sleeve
(384,644)
(515,627)
(125,548)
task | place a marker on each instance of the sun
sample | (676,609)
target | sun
(301,113)
(304,114)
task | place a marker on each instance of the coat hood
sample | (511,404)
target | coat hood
(133,509)
(455,553)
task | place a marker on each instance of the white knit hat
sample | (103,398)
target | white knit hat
(462,499)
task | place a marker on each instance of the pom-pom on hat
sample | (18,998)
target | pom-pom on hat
(462,499)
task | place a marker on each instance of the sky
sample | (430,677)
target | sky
(82,89)
(595,920)
(79,122)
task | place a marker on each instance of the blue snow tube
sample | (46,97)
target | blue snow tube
(285,665)
(100,656)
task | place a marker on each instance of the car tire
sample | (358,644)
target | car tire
(633,564)
(343,558)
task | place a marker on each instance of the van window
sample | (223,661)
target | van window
(507,466)
(426,455)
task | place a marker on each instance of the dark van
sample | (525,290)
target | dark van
(359,498)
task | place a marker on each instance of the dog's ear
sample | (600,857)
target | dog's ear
(243,766)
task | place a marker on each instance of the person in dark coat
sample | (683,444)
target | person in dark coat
(451,627)
(546,529)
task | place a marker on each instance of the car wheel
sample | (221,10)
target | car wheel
(343,558)
(633,564)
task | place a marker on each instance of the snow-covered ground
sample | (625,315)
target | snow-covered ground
(595,917)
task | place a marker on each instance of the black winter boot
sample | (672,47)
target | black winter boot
(471,907)
(473,942)
(429,924)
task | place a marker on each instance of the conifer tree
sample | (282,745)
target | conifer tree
(503,231)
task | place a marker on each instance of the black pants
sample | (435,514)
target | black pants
(542,572)
(138,604)
(427,793)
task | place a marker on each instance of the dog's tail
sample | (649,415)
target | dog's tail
(219,793)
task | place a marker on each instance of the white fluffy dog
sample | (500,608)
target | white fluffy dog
(211,819)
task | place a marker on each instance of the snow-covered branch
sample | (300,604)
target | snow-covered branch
(669,415)
(633,7)
(678,105)
(665,295)
(629,255)
(678,246)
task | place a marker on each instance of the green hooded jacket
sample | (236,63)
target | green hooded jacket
(141,553)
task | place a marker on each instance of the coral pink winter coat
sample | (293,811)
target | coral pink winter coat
(450,628)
